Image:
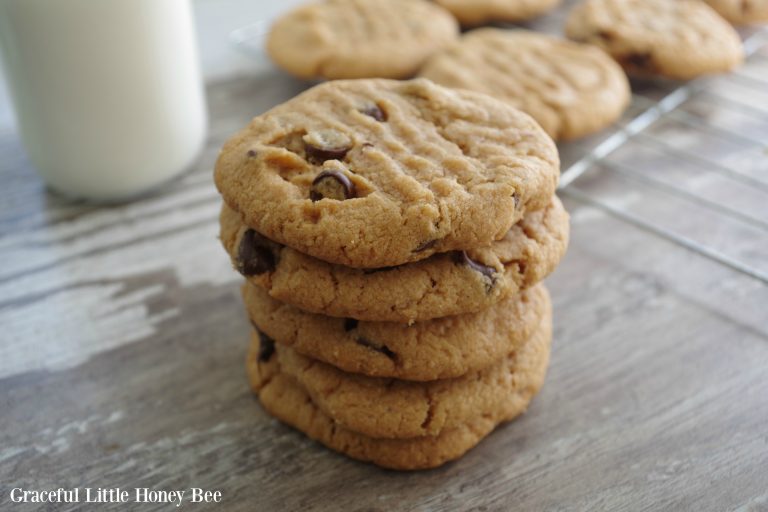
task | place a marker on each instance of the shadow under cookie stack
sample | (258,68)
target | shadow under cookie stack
(393,236)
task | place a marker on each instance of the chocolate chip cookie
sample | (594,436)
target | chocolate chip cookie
(376,173)
(359,38)
(283,396)
(741,12)
(386,408)
(478,12)
(679,39)
(571,89)
(436,349)
(441,285)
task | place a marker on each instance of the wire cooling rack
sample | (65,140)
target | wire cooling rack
(682,150)
(718,128)
(655,99)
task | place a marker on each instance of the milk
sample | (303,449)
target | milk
(107,93)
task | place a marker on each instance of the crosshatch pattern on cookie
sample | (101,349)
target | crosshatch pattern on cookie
(571,89)
(445,170)
(337,39)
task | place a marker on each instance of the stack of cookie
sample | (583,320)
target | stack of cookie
(393,235)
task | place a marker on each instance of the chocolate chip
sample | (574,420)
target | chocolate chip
(382,349)
(638,60)
(516,199)
(350,324)
(462,258)
(331,185)
(266,347)
(605,35)
(426,245)
(369,271)
(254,256)
(375,112)
(325,145)
(251,153)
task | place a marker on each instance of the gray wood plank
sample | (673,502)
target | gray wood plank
(653,401)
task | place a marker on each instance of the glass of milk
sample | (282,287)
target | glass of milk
(107,93)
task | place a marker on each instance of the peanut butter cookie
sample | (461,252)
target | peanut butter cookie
(375,173)
(284,397)
(571,89)
(741,12)
(471,13)
(679,39)
(359,38)
(441,285)
(435,349)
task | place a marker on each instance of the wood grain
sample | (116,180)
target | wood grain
(123,342)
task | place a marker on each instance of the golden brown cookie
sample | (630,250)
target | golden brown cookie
(283,397)
(434,349)
(375,173)
(679,39)
(478,12)
(571,89)
(388,408)
(741,12)
(441,285)
(359,38)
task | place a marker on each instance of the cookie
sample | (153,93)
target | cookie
(471,13)
(571,89)
(359,38)
(741,12)
(442,285)
(376,173)
(283,397)
(388,408)
(679,39)
(436,349)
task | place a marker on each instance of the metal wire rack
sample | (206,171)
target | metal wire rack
(746,134)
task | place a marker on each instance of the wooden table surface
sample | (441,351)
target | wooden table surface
(122,336)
